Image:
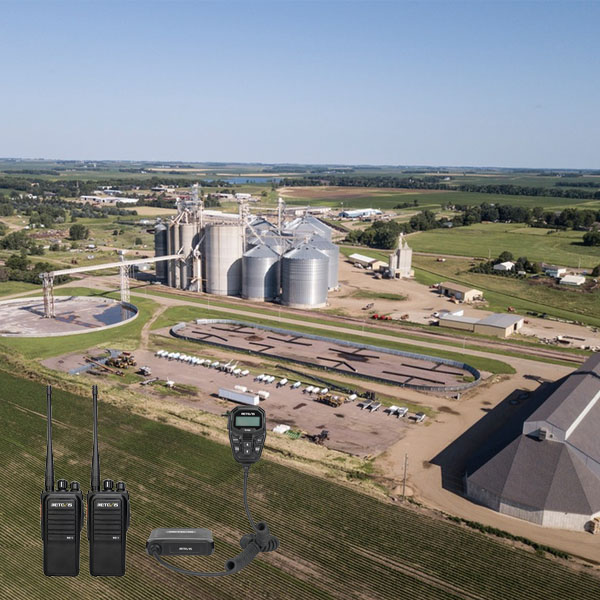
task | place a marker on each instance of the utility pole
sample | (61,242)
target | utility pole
(404,478)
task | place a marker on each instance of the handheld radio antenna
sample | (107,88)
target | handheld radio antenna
(95,483)
(49,483)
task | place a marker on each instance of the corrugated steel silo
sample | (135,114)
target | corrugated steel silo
(304,277)
(187,233)
(223,249)
(260,273)
(174,246)
(160,249)
(276,241)
(332,252)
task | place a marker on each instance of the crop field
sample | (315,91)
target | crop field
(501,292)
(387,198)
(335,541)
(490,239)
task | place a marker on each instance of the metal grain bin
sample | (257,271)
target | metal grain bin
(173,273)
(160,249)
(332,252)
(187,235)
(260,274)
(304,277)
(223,249)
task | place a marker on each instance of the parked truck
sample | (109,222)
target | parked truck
(241,397)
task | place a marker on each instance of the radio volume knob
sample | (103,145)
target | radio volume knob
(120,486)
(74,486)
(62,484)
(108,485)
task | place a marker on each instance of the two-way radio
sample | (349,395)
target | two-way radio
(108,516)
(61,515)
(247,432)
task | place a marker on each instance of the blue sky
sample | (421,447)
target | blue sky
(450,83)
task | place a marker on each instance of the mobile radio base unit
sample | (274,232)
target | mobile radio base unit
(247,432)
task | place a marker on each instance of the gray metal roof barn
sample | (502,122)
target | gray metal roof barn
(549,472)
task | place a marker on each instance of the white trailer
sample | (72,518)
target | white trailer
(263,395)
(240,397)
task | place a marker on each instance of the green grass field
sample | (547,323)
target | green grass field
(336,543)
(502,292)
(490,239)
(15,287)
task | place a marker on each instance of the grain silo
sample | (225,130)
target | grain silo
(305,227)
(276,241)
(260,273)
(304,277)
(173,273)
(332,252)
(223,249)
(161,249)
(187,234)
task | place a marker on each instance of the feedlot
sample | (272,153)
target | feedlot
(369,363)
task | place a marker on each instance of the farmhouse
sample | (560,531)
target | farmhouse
(460,292)
(544,466)
(504,266)
(554,271)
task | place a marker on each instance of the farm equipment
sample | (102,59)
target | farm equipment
(145,371)
(103,366)
(330,400)
(319,438)
(404,317)
(368,306)
(122,361)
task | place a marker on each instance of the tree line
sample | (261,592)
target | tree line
(439,182)
(384,234)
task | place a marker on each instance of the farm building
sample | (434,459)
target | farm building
(504,266)
(573,280)
(460,292)
(400,262)
(360,213)
(497,324)
(108,199)
(544,466)
(554,271)
(458,322)
(367,262)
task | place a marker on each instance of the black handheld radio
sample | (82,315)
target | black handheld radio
(61,515)
(108,513)
(247,430)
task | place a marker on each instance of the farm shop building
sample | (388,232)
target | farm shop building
(497,324)
(460,292)
(545,468)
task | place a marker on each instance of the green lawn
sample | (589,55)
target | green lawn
(15,287)
(490,239)
(366,548)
